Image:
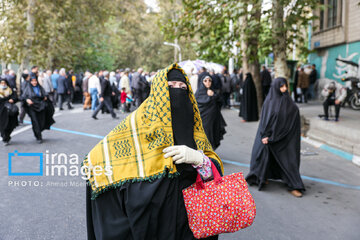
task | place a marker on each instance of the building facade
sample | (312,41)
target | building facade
(336,34)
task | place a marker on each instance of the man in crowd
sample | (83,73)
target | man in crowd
(94,90)
(54,78)
(303,83)
(105,96)
(335,94)
(136,87)
(70,85)
(47,85)
(226,87)
(125,81)
(85,90)
(63,90)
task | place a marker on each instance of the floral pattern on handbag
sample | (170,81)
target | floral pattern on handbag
(222,205)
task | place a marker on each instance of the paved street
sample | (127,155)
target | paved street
(55,207)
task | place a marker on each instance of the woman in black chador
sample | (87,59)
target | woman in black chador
(249,108)
(209,104)
(8,111)
(38,107)
(276,150)
(153,154)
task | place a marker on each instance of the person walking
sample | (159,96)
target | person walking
(95,89)
(47,85)
(226,88)
(38,107)
(209,104)
(154,154)
(8,111)
(63,91)
(303,84)
(248,108)
(125,81)
(54,78)
(276,150)
(85,90)
(105,97)
(70,79)
(26,80)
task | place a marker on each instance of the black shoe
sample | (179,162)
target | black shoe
(336,119)
(39,141)
(94,117)
(69,108)
(115,117)
(61,109)
(326,118)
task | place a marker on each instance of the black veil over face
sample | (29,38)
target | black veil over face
(182,113)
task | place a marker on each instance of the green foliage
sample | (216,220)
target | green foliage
(85,34)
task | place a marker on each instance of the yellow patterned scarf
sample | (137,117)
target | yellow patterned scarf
(133,149)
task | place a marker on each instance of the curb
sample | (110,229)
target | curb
(345,155)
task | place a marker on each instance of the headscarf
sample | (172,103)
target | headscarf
(201,93)
(5,92)
(133,149)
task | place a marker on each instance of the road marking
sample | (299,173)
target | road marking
(73,132)
(320,180)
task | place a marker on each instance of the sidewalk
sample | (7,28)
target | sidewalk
(344,135)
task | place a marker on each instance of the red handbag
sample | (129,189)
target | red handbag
(222,205)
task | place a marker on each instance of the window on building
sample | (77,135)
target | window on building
(332,13)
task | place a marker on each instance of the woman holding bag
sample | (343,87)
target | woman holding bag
(153,154)
(8,111)
(276,150)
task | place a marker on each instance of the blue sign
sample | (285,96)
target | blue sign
(317,44)
(16,156)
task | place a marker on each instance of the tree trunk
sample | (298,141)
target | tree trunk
(254,65)
(279,35)
(30,29)
(244,46)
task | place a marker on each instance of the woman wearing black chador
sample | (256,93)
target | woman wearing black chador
(209,103)
(249,107)
(276,150)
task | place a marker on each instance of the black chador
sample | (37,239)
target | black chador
(248,108)
(8,111)
(280,158)
(210,111)
(41,110)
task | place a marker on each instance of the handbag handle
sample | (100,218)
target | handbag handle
(217,177)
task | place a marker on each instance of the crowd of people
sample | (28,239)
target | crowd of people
(181,126)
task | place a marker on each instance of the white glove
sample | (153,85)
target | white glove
(184,154)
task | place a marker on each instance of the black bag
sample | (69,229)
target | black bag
(12,109)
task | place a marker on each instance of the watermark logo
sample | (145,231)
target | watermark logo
(52,165)
(25,164)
